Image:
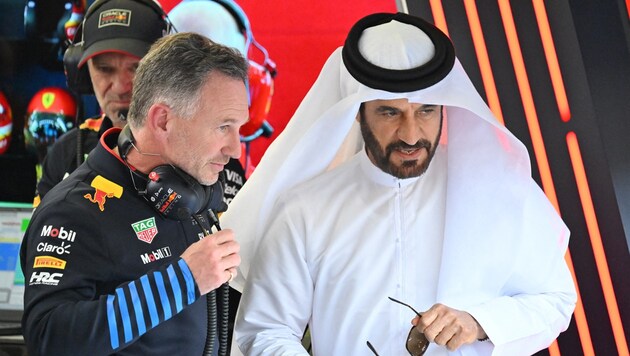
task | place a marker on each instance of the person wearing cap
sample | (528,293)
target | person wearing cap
(118,258)
(116,34)
(393,179)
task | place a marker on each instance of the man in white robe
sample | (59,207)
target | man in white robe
(336,225)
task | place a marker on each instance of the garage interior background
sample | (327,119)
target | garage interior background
(556,73)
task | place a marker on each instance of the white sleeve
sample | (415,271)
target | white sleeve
(540,296)
(276,303)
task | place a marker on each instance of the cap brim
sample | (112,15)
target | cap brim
(129,46)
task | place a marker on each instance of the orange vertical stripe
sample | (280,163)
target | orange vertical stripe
(528,101)
(554,350)
(628,7)
(552,60)
(483,59)
(596,243)
(438,15)
(531,117)
(579,314)
(494,103)
(565,114)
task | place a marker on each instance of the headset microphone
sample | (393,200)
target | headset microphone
(122,115)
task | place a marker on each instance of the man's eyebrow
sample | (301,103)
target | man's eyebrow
(230,120)
(97,60)
(384,108)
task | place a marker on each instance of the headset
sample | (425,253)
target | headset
(172,192)
(78,79)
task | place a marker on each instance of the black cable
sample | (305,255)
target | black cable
(225,306)
(225,303)
(211,302)
(211,299)
(211,331)
(79,146)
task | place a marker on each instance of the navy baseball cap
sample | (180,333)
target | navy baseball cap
(124,26)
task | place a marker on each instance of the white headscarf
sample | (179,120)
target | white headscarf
(484,159)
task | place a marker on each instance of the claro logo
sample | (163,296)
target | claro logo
(59,233)
(60,250)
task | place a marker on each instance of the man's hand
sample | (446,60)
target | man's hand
(449,327)
(213,260)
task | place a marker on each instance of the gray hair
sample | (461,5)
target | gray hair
(176,69)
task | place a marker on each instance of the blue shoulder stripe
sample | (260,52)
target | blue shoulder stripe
(118,307)
(124,314)
(190,280)
(177,291)
(137,308)
(166,305)
(148,296)
(111,321)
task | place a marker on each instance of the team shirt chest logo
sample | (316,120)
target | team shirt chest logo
(145,229)
(103,189)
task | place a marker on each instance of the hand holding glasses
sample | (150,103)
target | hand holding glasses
(417,343)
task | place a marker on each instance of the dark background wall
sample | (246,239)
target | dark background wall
(558,74)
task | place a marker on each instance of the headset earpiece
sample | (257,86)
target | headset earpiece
(77,79)
(125,142)
(176,195)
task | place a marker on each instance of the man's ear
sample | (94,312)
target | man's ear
(157,121)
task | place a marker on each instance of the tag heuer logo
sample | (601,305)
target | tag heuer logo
(145,229)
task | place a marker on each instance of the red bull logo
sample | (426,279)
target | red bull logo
(169,201)
(103,189)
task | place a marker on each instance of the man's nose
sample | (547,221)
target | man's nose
(233,146)
(123,82)
(409,130)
